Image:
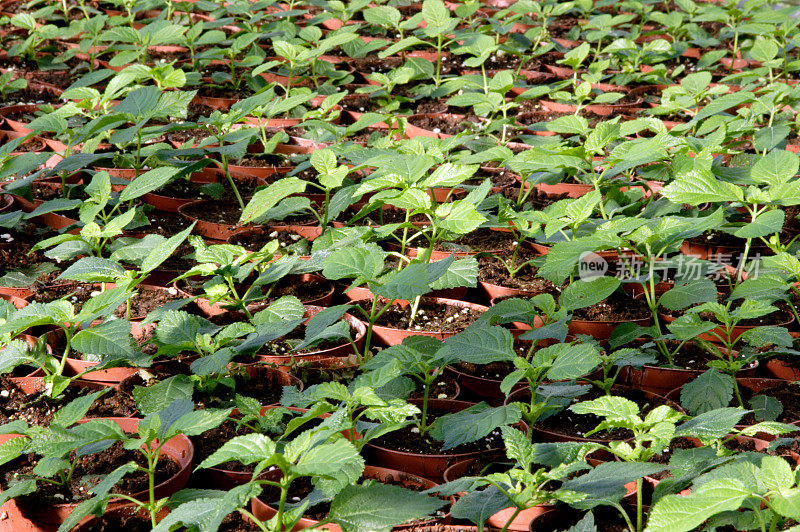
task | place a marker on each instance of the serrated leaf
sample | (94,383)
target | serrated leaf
(710,390)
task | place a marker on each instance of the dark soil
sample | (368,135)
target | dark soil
(146,300)
(285,345)
(481,240)
(219,212)
(90,470)
(75,292)
(263,387)
(492,270)
(447,124)
(37,409)
(289,240)
(617,307)
(431,317)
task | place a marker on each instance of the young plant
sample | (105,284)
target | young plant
(527,484)
(177,418)
(109,343)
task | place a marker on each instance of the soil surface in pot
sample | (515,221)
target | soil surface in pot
(492,270)
(37,409)
(284,346)
(409,440)
(165,224)
(480,240)
(577,425)
(261,387)
(89,471)
(617,307)
(218,212)
(495,370)
(183,189)
(289,240)
(689,356)
(431,317)
(315,373)
(78,293)
(537,199)
(128,522)
(443,388)
(146,300)
(14,257)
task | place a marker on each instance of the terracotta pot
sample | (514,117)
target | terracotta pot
(392,336)
(165,203)
(602,330)
(431,466)
(76,366)
(483,387)
(225,479)
(263,511)
(496,292)
(661,381)
(216,231)
(343,350)
(572,190)
(179,449)
(305,231)
(781,370)
(459,293)
(217,309)
(88,525)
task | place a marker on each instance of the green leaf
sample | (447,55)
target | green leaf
(712,424)
(481,343)
(776,167)
(93,270)
(608,479)
(362,262)
(458,217)
(267,198)
(473,423)
(609,407)
(581,294)
(148,182)
(463,272)
(139,102)
(700,186)
(765,224)
(765,407)
(111,337)
(76,409)
(691,293)
(710,390)
(678,513)
(155,398)
(245,449)
(573,361)
(164,250)
(379,507)
(194,423)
